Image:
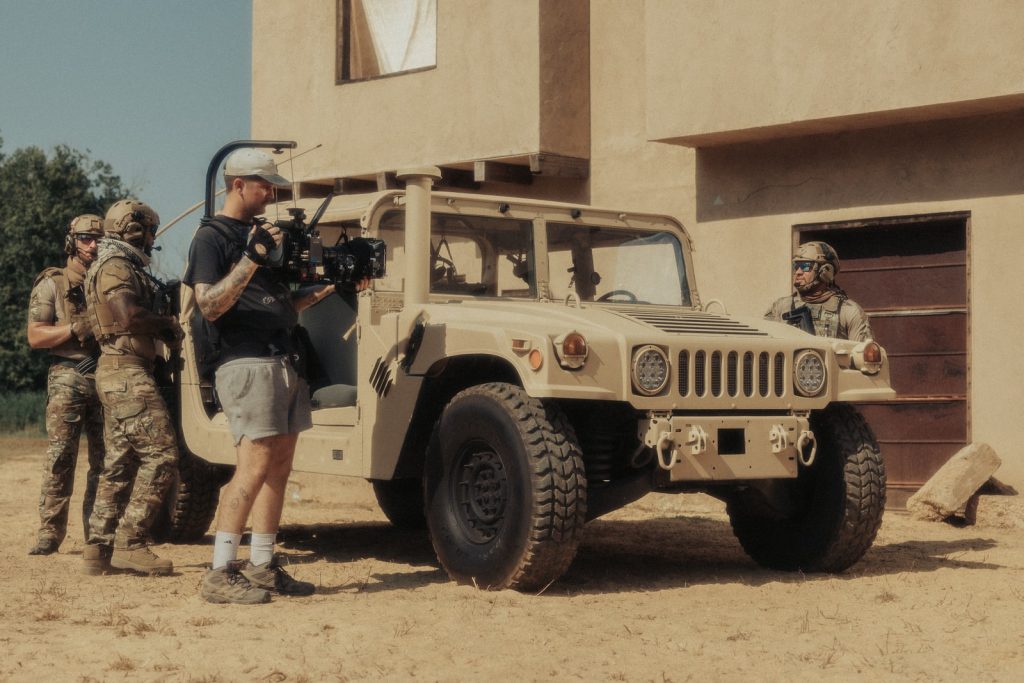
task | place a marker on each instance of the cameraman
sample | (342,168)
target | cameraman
(265,401)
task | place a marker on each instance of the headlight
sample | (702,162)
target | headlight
(809,373)
(650,370)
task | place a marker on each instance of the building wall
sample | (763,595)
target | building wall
(626,170)
(491,94)
(728,71)
(750,196)
(741,119)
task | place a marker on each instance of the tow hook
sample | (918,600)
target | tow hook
(667,461)
(778,439)
(805,439)
(697,440)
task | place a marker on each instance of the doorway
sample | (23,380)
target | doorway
(910,274)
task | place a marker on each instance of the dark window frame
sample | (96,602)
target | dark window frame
(343,66)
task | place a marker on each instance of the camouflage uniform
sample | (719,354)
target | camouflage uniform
(138,430)
(71,402)
(838,316)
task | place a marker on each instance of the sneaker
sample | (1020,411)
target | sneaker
(228,585)
(271,576)
(142,560)
(45,546)
(96,559)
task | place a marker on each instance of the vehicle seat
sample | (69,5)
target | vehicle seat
(334,396)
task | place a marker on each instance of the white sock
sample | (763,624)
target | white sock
(261,548)
(225,548)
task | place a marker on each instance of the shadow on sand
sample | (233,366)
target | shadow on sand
(616,556)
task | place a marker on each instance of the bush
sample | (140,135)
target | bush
(23,411)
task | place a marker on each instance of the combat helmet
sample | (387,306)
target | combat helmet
(86,224)
(824,258)
(129,220)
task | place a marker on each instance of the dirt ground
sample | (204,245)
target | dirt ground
(659,591)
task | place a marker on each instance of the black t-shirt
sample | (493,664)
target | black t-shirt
(261,321)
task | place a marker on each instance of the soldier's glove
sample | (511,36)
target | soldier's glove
(259,247)
(172,334)
(81,329)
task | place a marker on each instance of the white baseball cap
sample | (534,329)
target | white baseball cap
(248,162)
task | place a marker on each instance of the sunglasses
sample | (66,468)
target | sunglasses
(803,266)
(87,239)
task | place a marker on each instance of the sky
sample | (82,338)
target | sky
(152,87)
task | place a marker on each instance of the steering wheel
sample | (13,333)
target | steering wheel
(629,296)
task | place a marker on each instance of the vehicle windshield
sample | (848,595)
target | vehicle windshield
(476,255)
(615,265)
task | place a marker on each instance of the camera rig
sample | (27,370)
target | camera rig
(308,260)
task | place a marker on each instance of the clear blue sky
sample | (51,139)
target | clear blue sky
(153,87)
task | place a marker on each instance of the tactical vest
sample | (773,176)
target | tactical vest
(60,282)
(69,304)
(825,316)
(109,332)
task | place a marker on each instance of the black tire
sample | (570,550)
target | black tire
(401,501)
(191,502)
(505,489)
(839,502)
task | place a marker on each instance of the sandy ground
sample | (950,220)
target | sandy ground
(659,591)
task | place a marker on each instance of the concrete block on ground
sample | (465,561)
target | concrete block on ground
(950,489)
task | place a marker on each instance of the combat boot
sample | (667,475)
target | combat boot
(142,560)
(45,546)
(96,559)
(271,576)
(228,585)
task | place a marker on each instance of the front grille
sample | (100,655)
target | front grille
(716,373)
(730,374)
(748,374)
(684,373)
(780,373)
(699,373)
(715,377)
(762,373)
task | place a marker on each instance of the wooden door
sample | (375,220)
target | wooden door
(910,275)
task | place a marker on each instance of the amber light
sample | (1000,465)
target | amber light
(872,353)
(536,359)
(574,347)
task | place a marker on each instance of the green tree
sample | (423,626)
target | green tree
(39,195)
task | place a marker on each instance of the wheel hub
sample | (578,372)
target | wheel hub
(481,492)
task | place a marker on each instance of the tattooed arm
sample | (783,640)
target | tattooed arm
(215,300)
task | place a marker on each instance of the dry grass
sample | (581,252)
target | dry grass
(122,663)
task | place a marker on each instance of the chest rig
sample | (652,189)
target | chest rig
(105,325)
(825,316)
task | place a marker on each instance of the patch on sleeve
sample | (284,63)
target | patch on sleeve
(41,304)
(115,275)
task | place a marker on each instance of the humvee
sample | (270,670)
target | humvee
(527,366)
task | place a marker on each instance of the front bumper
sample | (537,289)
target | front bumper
(724,448)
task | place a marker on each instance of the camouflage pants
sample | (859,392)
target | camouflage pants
(71,407)
(141,446)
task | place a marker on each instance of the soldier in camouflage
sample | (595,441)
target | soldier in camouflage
(818,302)
(139,433)
(57,321)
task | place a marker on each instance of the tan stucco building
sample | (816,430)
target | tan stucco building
(893,130)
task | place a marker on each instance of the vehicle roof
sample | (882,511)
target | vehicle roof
(359,206)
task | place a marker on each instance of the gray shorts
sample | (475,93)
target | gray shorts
(263,397)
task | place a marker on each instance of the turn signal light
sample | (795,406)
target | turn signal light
(872,353)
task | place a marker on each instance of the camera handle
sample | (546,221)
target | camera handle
(223,152)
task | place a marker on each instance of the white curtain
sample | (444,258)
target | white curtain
(403,33)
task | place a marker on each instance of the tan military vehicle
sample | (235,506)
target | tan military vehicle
(526,366)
